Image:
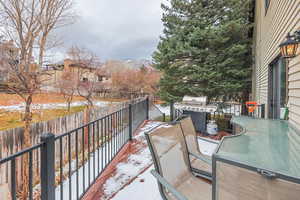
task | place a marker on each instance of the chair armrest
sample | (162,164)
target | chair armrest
(168,186)
(199,157)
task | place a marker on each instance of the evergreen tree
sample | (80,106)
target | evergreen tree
(205,50)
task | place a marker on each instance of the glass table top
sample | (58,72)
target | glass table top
(266,144)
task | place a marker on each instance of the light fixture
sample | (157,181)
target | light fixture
(289,47)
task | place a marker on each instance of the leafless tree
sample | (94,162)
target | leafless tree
(28,24)
(68,87)
(58,13)
(86,63)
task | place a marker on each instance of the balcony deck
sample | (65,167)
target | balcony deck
(129,174)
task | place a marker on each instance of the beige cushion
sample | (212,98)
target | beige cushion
(201,165)
(194,189)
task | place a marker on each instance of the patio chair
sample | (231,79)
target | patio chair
(200,163)
(172,166)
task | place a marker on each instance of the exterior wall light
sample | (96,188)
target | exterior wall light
(289,47)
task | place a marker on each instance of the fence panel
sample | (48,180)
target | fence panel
(139,113)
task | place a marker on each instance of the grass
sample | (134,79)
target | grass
(9,120)
(13,99)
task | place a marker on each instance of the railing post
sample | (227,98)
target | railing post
(171,111)
(263,111)
(147,107)
(164,117)
(48,167)
(130,122)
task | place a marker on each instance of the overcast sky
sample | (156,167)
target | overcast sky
(116,29)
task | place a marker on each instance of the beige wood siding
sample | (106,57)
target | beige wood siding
(271,28)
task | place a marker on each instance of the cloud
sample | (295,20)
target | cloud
(116,29)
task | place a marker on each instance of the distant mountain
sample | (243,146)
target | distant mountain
(118,65)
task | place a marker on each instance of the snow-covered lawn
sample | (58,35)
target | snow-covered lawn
(21,106)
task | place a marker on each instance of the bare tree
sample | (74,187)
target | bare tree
(86,63)
(68,87)
(58,13)
(86,90)
(28,24)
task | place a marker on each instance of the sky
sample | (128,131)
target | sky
(115,29)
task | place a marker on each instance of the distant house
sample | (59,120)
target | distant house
(81,70)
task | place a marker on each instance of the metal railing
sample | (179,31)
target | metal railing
(232,109)
(72,162)
(223,114)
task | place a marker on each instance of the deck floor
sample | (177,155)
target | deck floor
(128,176)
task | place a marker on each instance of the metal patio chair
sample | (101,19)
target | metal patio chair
(172,166)
(200,163)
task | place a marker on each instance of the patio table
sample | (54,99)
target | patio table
(260,162)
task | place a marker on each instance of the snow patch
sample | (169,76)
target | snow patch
(143,187)
(48,106)
(135,164)
(126,172)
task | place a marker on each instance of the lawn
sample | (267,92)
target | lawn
(13,99)
(10,119)
(13,119)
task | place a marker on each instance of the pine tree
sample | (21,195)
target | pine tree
(205,50)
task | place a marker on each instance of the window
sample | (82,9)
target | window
(267,4)
(277,88)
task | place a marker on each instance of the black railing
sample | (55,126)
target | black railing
(230,109)
(223,113)
(71,162)
(156,112)
(10,164)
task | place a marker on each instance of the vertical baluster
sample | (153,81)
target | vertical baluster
(98,147)
(102,144)
(113,131)
(30,175)
(70,166)
(89,155)
(61,168)
(83,162)
(94,152)
(109,138)
(118,130)
(77,164)
(105,139)
(13,178)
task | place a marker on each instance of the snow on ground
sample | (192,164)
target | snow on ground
(127,171)
(86,173)
(136,164)
(21,106)
(206,147)
(163,109)
(143,187)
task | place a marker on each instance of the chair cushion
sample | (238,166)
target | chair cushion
(201,165)
(193,189)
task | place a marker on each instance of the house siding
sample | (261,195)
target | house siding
(270,30)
